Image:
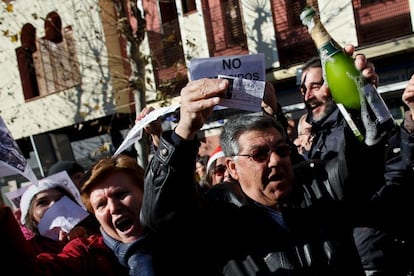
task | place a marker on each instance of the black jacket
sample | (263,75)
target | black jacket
(396,197)
(195,235)
(378,202)
(363,170)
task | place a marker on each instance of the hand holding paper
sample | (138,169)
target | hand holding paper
(243,94)
(135,133)
(62,216)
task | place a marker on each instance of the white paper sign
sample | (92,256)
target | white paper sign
(12,160)
(64,179)
(251,67)
(15,196)
(63,215)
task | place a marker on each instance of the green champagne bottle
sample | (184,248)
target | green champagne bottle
(340,74)
(348,87)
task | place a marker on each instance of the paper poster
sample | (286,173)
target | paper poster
(64,179)
(250,67)
(246,73)
(63,215)
(12,160)
(15,196)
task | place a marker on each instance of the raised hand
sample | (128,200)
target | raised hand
(361,63)
(154,128)
(197,101)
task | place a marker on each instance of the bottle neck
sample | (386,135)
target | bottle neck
(328,49)
(323,41)
(318,32)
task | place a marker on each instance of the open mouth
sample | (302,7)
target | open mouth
(276,177)
(123,224)
(312,104)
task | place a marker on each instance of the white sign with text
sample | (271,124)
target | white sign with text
(251,67)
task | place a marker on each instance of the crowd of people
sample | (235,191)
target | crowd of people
(260,204)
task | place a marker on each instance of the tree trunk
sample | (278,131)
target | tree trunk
(136,81)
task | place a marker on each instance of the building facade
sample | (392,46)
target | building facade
(77,99)
(65,78)
(181,30)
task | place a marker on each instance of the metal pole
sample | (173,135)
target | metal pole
(37,155)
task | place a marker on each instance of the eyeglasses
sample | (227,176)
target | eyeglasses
(219,170)
(263,154)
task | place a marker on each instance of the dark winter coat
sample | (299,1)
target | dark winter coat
(200,236)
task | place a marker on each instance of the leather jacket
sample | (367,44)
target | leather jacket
(196,235)
(378,202)
(396,197)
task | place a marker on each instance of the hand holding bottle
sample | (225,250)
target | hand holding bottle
(379,124)
(352,83)
(362,64)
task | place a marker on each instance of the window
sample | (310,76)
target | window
(56,64)
(234,28)
(48,64)
(168,11)
(294,8)
(24,55)
(368,2)
(188,5)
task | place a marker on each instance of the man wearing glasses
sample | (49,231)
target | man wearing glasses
(283,227)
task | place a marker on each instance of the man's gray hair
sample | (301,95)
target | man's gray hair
(236,125)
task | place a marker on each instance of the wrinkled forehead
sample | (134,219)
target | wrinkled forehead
(270,135)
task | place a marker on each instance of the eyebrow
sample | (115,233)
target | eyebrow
(318,82)
(303,86)
(304,80)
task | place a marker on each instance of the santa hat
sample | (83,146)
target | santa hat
(217,153)
(33,190)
